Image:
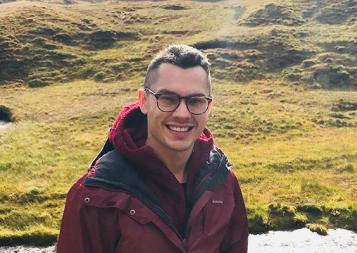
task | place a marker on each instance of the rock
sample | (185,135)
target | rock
(339,116)
(69,1)
(308,63)
(174,7)
(35,83)
(293,77)
(344,106)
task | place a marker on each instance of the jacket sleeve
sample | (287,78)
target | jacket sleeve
(86,228)
(236,238)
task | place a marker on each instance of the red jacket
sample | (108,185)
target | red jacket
(115,208)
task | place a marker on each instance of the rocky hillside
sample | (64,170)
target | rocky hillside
(311,43)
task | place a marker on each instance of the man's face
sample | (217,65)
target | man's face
(177,130)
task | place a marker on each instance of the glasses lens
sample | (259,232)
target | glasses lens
(168,103)
(197,105)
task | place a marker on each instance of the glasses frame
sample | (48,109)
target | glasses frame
(185,98)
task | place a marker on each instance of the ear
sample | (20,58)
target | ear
(143,101)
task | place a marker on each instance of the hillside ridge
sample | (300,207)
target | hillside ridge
(44,43)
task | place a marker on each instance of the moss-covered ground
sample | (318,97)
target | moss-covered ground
(285,101)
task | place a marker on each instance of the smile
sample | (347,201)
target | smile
(179,129)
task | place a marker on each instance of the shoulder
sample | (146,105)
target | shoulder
(225,169)
(219,163)
(109,168)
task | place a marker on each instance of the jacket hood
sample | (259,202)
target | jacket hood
(128,136)
(129,132)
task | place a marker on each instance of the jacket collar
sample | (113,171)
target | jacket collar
(114,173)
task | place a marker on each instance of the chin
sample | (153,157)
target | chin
(180,147)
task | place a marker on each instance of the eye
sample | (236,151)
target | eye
(168,99)
(197,101)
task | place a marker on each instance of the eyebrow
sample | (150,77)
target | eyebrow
(165,91)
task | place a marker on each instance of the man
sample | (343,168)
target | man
(159,184)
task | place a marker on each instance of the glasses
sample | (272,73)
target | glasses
(196,105)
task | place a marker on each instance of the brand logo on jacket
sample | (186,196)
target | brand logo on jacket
(217,201)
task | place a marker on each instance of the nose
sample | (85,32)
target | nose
(182,111)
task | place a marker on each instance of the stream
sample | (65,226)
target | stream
(297,241)
(4,124)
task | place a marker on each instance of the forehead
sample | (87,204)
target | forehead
(181,81)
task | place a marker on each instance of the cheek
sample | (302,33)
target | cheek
(151,108)
(202,120)
(155,116)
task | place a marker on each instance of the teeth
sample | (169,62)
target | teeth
(179,129)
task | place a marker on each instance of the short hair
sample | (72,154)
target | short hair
(179,55)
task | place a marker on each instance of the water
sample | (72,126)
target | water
(20,249)
(4,124)
(304,241)
(297,241)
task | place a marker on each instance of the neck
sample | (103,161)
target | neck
(174,160)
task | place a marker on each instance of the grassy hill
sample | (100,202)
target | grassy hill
(284,76)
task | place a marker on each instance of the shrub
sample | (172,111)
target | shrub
(256,221)
(318,228)
(39,236)
(282,217)
(36,83)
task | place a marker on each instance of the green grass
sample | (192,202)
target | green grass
(294,153)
